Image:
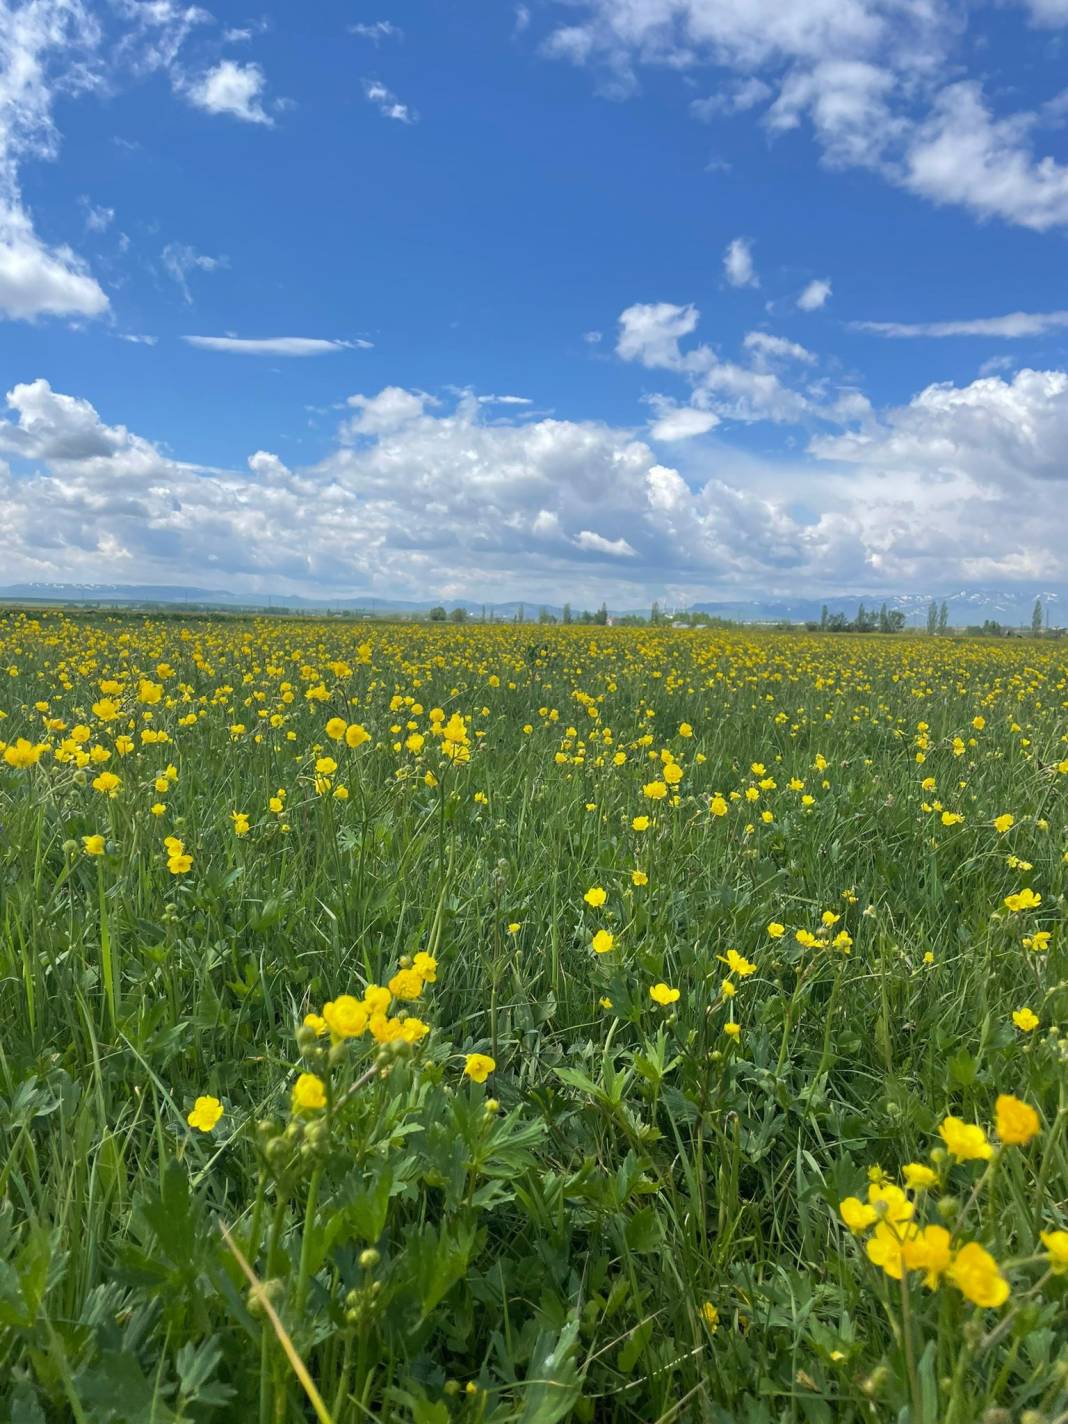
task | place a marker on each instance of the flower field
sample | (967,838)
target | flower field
(506,1023)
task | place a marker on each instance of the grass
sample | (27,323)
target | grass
(636,1217)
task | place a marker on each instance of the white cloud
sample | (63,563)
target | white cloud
(679,422)
(963,154)
(231,88)
(596,543)
(766,348)
(387,103)
(273,345)
(1048,13)
(953,486)
(869,76)
(181,260)
(135,339)
(738,264)
(97,217)
(1014,324)
(734,98)
(44,47)
(377,30)
(390,410)
(815,294)
(650,332)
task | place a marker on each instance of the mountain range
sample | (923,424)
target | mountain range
(1011,607)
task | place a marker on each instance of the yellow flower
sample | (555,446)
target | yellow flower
(886,1247)
(1056,1244)
(336,728)
(1004,823)
(663,994)
(595,896)
(709,1313)
(857,1215)
(406,984)
(240,820)
(355,735)
(654,790)
(205,1114)
(478,1066)
(1022,900)
(951,818)
(309,1093)
(737,964)
(717,806)
(602,942)
(919,1177)
(426,966)
(965,1140)
(639,877)
(890,1202)
(732,1030)
(929,1251)
(514,927)
(345,1016)
(376,998)
(1038,942)
(976,1275)
(317,1023)
(775,930)
(107,783)
(640,823)
(1016,1121)
(158,808)
(1025,1020)
(93,845)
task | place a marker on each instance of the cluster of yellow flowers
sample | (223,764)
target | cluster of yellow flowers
(898,1244)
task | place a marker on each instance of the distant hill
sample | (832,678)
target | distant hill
(966,606)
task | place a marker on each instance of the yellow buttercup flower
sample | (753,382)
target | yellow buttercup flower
(1017,1122)
(478,1066)
(663,994)
(602,942)
(977,1276)
(93,845)
(1026,1020)
(205,1114)
(965,1140)
(309,1093)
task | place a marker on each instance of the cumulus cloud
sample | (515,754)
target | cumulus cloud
(274,345)
(650,332)
(815,295)
(231,88)
(960,483)
(738,264)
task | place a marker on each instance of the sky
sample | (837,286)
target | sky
(692,300)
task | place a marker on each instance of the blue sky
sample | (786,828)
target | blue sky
(673,298)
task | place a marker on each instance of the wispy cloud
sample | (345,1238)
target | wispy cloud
(377,30)
(275,345)
(1015,324)
(180,260)
(387,103)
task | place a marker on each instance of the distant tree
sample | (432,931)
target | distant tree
(567,613)
(824,616)
(1036,618)
(884,620)
(992,626)
(601,616)
(932,618)
(654,613)
(943,616)
(458,615)
(895,621)
(544,616)
(437,614)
